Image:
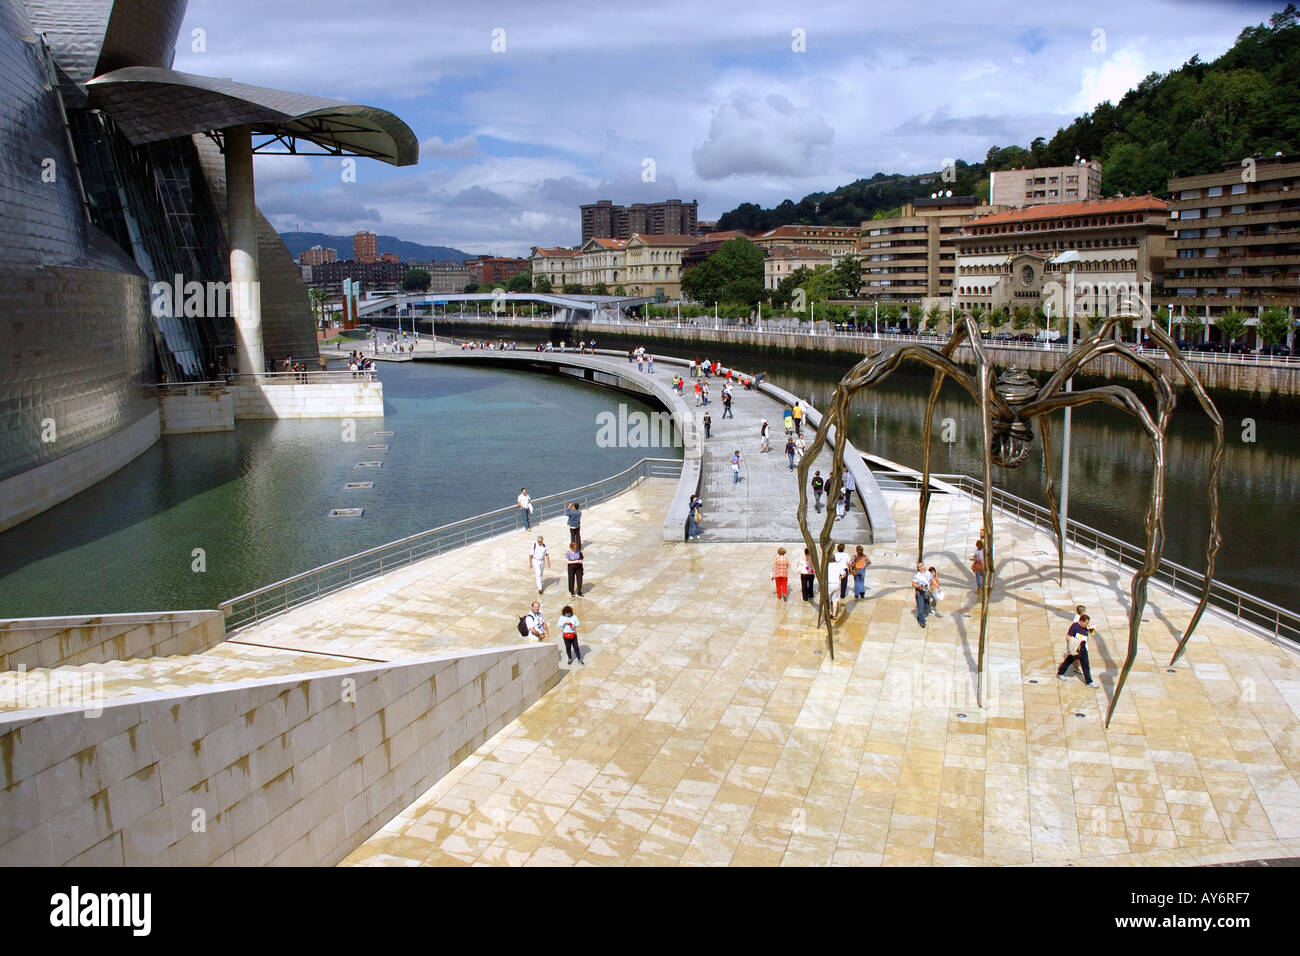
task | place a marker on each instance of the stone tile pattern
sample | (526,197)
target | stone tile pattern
(359,399)
(291,771)
(58,641)
(709,726)
(197,411)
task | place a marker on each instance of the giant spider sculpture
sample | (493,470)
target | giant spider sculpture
(1009,404)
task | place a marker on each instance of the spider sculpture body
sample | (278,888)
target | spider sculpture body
(1010,404)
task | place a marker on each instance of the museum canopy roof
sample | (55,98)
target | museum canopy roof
(149,104)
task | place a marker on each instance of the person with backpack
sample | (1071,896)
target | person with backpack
(1076,648)
(695,511)
(534,624)
(569,631)
(818,486)
(977,564)
(859,566)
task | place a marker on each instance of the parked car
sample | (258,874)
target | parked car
(1208,347)
(1275,351)
(1185,345)
(1025,337)
(1004,336)
(1240,348)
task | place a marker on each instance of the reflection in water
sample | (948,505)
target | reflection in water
(1110,476)
(254,500)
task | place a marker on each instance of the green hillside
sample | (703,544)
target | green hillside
(1191,120)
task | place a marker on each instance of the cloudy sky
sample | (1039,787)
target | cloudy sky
(524,110)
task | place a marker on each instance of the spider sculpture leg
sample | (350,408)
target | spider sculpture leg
(869,372)
(1049,492)
(1164,389)
(1118,397)
(985,383)
(958,333)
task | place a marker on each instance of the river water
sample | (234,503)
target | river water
(465,440)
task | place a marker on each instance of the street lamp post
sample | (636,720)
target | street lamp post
(1069,258)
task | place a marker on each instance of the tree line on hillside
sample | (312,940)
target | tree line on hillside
(1193,120)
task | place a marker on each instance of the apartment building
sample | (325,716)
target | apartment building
(653,264)
(1234,238)
(316,255)
(487,270)
(365,246)
(1018,188)
(912,257)
(605,220)
(1004,259)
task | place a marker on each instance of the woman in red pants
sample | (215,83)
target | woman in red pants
(781,575)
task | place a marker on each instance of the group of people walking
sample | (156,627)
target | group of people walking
(843,566)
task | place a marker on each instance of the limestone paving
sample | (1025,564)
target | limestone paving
(711,727)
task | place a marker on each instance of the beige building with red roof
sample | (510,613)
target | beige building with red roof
(602,260)
(1005,259)
(558,264)
(781,261)
(837,240)
(653,264)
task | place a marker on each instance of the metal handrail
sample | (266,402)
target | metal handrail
(1226,600)
(298,589)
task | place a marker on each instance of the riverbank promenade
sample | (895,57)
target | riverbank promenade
(709,726)
(402,720)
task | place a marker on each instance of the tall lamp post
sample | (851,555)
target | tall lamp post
(1068,258)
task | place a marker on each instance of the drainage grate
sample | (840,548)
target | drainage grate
(370,464)
(345,512)
(354,485)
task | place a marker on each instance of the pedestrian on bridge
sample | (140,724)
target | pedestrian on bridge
(708,423)
(726,403)
(573,559)
(762,432)
(575,524)
(525,508)
(789,452)
(797,413)
(818,486)
(736,462)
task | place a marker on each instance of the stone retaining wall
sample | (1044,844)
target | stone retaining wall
(287,770)
(59,641)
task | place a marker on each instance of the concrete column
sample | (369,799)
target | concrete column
(246,295)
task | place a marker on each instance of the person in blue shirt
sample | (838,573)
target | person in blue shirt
(1077,649)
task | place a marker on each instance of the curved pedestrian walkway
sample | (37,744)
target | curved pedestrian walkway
(763,505)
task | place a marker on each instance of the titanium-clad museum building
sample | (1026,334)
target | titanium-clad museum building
(114,174)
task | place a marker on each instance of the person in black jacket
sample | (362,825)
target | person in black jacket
(818,486)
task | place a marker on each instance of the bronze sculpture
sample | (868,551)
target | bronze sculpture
(1008,405)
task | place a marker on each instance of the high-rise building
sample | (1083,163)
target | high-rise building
(365,247)
(672,217)
(1017,188)
(1234,241)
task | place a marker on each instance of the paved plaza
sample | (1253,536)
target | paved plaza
(710,726)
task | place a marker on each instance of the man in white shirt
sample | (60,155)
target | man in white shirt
(536,623)
(538,559)
(525,508)
(835,572)
(921,586)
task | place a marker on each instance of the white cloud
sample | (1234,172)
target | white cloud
(768,136)
(1109,80)
(457,148)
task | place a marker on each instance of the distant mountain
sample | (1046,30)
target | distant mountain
(300,242)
